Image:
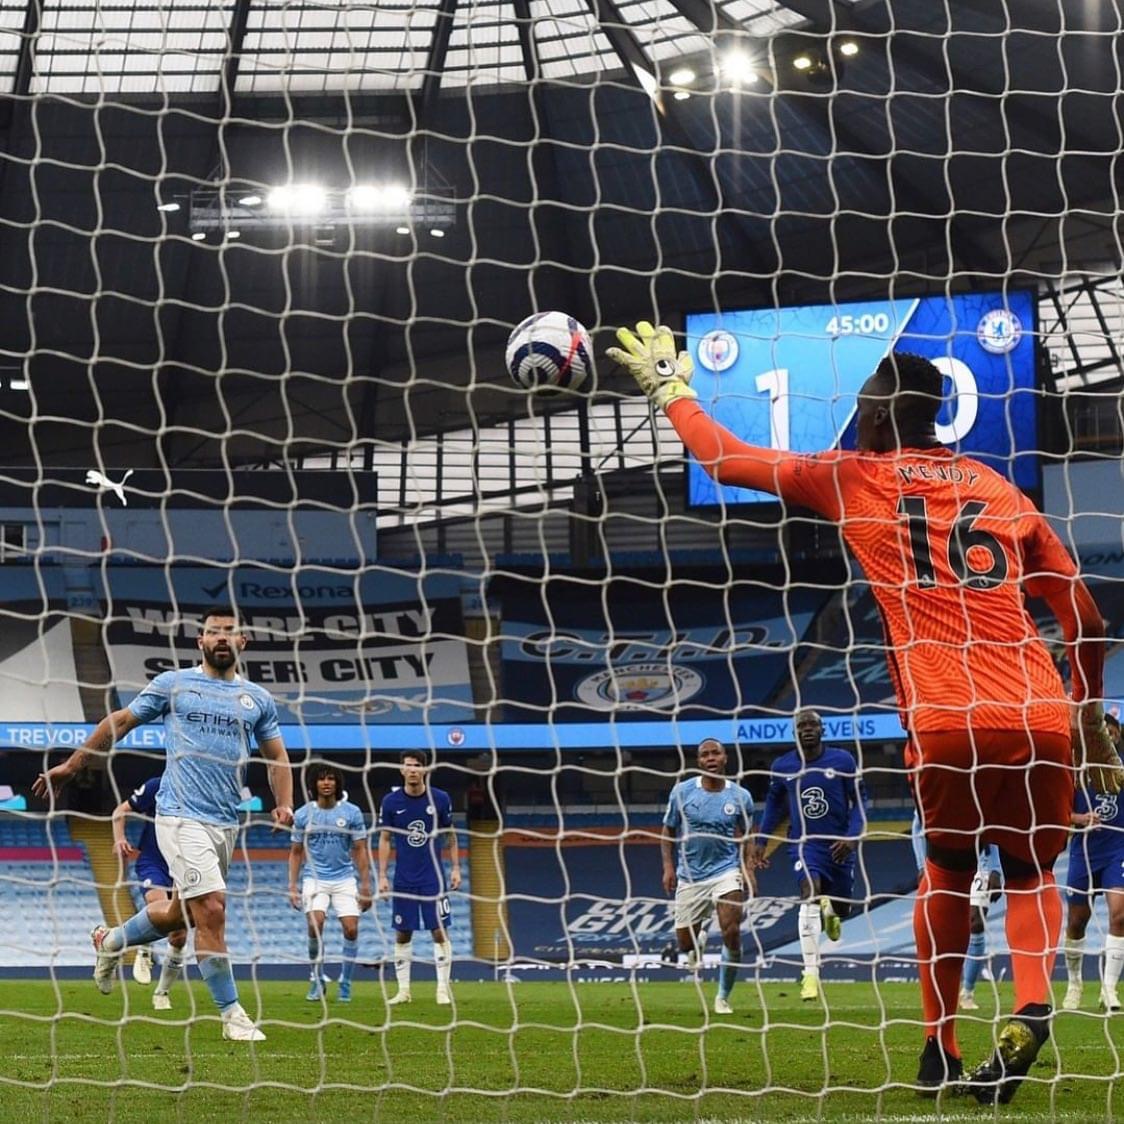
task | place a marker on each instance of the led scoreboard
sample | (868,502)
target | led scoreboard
(789,377)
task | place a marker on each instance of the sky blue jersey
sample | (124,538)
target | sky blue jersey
(709,827)
(209,727)
(823,799)
(417,826)
(328,834)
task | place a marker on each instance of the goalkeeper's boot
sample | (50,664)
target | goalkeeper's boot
(237,1027)
(142,966)
(998,1079)
(810,986)
(832,926)
(938,1068)
(1072,1000)
(1110,1001)
(105,963)
(967,1001)
(315,990)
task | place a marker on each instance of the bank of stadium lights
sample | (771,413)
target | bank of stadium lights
(325,208)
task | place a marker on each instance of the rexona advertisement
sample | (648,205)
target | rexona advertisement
(636,651)
(788,378)
(329,646)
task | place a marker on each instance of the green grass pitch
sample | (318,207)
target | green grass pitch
(524,1052)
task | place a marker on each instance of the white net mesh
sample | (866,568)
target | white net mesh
(260,261)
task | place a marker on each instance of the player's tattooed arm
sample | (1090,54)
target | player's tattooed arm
(106,734)
(384,862)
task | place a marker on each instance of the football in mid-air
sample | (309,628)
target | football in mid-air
(549,349)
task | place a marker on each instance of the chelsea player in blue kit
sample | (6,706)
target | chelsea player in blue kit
(819,789)
(211,715)
(711,818)
(416,817)
(329,832)
(156,883)
(1096,865)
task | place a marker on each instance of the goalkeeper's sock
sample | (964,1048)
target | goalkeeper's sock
(403,959)
(973,965)
(443,961)
(941,923)
(728,972)
(1075,959)
(170,970)
(1034,921)
(137,930)
(1113,961)
(350,952)
(811,925)
(219,978)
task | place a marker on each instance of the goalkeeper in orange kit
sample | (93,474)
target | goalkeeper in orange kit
(949,548)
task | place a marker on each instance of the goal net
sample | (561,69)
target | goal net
(260,264)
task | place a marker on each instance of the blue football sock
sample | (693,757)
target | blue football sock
(314,952)
(137,930)
(350,952)
(974,961)
(728,971)
(219,978)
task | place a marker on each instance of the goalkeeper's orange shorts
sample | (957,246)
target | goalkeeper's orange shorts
(1013,788)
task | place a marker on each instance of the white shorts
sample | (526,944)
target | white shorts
(198,854)
(342,894)
(696,901)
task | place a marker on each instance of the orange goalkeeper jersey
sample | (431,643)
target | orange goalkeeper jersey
(948,546)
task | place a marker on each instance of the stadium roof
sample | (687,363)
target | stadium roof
(963,143)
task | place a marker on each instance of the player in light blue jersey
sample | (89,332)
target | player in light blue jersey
(987,884)
(211,717)
(330,836)
(711,819)
(415,819)
(1096,865)
(819,790)
(156,883)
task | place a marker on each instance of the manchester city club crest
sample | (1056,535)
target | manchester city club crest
(656,686)
(246,702)
(718,350)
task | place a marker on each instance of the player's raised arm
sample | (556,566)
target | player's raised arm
(664,375)
(110,730)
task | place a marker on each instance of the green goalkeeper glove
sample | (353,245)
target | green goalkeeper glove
(1094,749)
(652,361)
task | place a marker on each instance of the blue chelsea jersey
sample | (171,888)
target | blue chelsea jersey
(1103,844)
(824,799)
(210,726)
(143,802)
(709,826)
(328,835)
(417,825)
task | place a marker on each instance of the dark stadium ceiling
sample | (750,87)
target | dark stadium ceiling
(926,144)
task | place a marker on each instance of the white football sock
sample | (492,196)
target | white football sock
(811,925)
(403,959)
(443,961)
(1074,958)
(1113,960)
(170,970)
